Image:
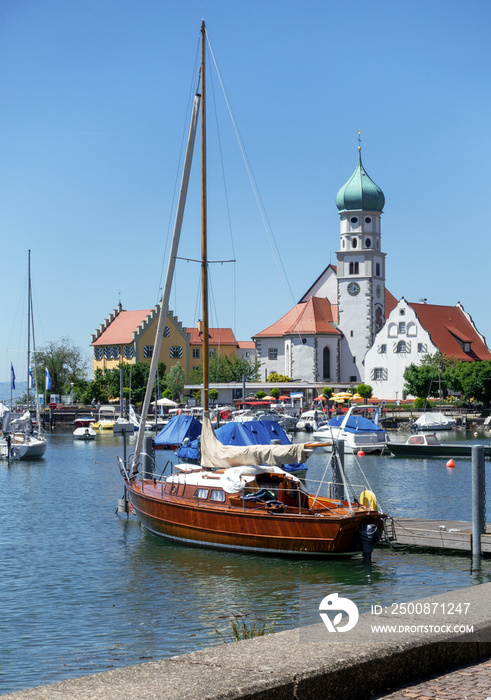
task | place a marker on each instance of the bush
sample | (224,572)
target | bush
(419,402)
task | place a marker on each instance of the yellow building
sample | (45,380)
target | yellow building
(129,336)
(221,342)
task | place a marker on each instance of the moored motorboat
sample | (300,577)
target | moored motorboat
(84,433)
(428,445)
(434,421)
(357,432)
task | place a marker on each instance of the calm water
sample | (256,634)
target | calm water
(83,589)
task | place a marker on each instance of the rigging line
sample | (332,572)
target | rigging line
(252,180)
(192,91)
(227,205)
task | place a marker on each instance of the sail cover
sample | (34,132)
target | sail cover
(214,455)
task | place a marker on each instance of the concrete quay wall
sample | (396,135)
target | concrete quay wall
(304,663)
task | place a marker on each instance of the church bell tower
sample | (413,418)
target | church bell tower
(360,270)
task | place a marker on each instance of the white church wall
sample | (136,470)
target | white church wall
(401,342)
(303,360)
(272,356)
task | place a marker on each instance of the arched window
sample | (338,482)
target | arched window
(401,346)
(326,363)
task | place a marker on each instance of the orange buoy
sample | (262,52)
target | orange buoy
(360,453)
(450,464)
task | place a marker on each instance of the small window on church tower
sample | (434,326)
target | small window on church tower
(368,242)
(354,219)
(354,242)
(368,220)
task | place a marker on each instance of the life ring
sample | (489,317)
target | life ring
(369,500)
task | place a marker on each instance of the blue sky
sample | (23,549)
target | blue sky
(95,98)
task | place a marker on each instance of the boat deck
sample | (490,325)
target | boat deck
(438,534)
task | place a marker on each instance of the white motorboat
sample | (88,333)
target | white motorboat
(84,433)
(434,421)
(358,433)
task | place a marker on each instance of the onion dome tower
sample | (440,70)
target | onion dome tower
(361,269)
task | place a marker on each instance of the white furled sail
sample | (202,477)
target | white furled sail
(215,455)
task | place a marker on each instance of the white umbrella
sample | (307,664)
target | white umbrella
(166,402)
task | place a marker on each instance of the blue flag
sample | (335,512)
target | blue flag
(13,375)
(47,376)
(31,380)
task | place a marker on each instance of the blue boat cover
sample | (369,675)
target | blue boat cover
(356,424)
(177,430)
(252,432)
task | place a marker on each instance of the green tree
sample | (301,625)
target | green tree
(213,395)
(225,369)
(472,379)
(260,394)
(275,393)
(365,390)
(429,378)
(327,392)
(175,381)
(65,362)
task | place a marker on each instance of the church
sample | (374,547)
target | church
(348,328)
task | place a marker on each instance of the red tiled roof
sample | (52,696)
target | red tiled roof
(446,326)
(390,303)
(217,336)
(120,331)
(313,317)
(246,344)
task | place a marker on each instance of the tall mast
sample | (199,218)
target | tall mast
(28,321)
(204,250)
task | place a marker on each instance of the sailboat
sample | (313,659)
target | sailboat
(238,498)
(20,440)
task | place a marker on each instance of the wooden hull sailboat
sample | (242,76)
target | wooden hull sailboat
(239,498)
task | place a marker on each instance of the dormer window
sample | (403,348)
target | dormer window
(467,347)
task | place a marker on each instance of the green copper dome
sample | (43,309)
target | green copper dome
(360,192)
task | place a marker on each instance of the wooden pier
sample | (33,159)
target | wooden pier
(436,534)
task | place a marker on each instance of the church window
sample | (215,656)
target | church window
(377,269)
(354,220)
(368,243)
(354,268)
(273,353)
(377,245)
(344,242)
(326,363)
(368,220)
(354,242)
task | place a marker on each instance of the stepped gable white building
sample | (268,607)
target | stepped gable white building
(414,330)
(335,332)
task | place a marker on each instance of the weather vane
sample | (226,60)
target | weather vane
(359,140)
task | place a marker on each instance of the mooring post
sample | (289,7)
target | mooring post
(147,456)
(337,465)
(478,496)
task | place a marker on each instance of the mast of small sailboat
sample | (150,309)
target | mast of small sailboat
(204,246)
(28,323)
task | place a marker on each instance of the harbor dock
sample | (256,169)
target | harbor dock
(438,534)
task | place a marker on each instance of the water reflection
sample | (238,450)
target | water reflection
(84,589)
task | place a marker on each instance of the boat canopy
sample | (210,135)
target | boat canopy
(215,455)
(356,424)
(177,430)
